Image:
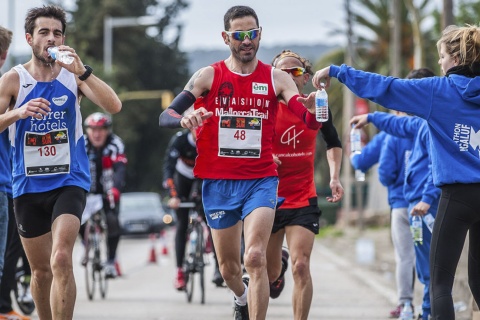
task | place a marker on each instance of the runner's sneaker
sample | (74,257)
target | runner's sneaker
(241,312)
(12,315)
(180,280)
(277,286)
(110,271)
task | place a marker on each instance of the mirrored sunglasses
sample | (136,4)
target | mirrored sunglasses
(296,71)
(240,35)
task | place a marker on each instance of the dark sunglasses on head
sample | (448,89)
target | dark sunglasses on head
(296,71)
(241,35)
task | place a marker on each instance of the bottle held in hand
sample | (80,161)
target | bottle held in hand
(62,56)
(321,104)
(416,229)
(356,148)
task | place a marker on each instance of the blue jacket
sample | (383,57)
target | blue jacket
(5,164)
(451,106)
(370,153)
(418,178)
(391,170)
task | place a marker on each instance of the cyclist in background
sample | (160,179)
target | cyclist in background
(179,180)
(106,153)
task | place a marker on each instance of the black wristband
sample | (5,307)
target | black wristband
(87,73)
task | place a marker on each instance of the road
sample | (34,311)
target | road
(145,289)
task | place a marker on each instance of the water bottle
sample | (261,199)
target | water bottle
(416,229)
(429,220)
(407,311)
(62,56)
(356,148)
(193,242)
(321,104)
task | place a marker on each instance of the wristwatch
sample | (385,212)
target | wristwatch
(87,73)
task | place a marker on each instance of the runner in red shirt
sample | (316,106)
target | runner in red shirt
(298,217)
(235,132)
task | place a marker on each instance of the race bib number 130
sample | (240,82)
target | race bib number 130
(47,153)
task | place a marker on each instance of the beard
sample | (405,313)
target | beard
(244,57)
(38,53)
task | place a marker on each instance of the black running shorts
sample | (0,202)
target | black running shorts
(35,212)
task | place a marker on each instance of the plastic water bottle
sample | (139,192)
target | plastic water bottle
(407,311)
(321,104)
(416,229)
(62,56)
(429,221)
(193,242)
(356,148)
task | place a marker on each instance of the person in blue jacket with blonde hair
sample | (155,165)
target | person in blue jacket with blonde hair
(451,107)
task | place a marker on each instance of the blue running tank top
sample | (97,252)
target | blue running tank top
(49,153)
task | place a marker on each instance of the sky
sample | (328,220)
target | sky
(283,22)
(304,22)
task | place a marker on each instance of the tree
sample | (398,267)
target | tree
(140,62)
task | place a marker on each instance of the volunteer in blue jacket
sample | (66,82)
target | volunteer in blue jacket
(394,156)
(418,189)
(390,153)
(451,107)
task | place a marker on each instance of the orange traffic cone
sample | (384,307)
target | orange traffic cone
(153,255)
(117,268)
(164,243)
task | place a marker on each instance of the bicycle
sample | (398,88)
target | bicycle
(95,242)
(22,289)
(195,255)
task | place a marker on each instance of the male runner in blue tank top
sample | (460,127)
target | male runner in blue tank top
(39,102)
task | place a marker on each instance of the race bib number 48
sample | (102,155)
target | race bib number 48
(47,153)
(240,137)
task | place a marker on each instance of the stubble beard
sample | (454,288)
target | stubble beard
(245,58)
(38,54)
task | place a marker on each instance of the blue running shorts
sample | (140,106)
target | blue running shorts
(228,201)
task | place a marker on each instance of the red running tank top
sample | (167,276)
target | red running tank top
(294,145)
(236,142)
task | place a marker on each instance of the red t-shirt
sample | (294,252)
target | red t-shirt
(295,147)
(236,142)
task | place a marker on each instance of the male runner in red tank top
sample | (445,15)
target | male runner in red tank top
(235,131)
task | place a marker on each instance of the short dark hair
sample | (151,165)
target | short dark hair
(238,12)
(50,11)
(420,73)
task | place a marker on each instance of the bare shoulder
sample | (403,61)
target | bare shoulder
(201,80)
(281,80)
(9,83)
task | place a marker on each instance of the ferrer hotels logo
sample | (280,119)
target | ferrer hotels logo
(259,88)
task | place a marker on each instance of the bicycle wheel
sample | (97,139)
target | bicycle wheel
(90,261)
(189,267)
(102,260)
(199,260)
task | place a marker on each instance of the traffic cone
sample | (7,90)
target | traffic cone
(117,268)
(153,255)
(164,243)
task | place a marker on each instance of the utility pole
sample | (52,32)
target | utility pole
(348,106)
(396,32)
(447,17)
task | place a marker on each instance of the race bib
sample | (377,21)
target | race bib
(240,137)
(47,153)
